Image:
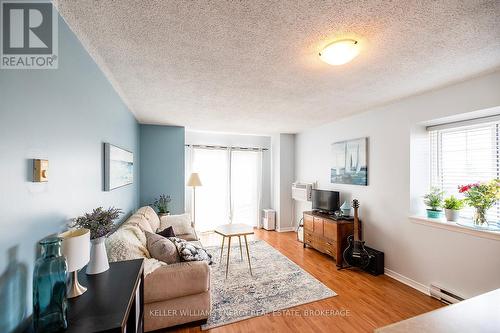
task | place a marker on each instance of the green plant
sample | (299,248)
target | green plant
(453,203)
(481,195)
(99,222)
(161,204)
(434,199)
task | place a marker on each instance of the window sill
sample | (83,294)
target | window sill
(452,226)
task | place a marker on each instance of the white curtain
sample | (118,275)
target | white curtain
(212,198)
(246,186)
(232,186)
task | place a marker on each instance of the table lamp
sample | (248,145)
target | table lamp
(76,249)
(194,181)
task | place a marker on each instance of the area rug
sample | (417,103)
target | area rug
(277,284)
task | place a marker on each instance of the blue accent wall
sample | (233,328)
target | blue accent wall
(62,115)
(162,165)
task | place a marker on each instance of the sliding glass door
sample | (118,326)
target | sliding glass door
(231,186)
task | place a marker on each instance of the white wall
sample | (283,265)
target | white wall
(283,175)
(64,116)
(236,140)
(275,175)
(287,177)
(463,263)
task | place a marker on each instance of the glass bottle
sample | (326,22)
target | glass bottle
(49,288)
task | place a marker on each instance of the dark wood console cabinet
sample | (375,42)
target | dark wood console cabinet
(327,235)
(113,301)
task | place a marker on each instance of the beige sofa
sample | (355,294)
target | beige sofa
(173,294)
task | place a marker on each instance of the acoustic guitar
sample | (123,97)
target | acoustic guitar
(355,254)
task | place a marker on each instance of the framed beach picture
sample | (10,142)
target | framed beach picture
(349,162)
(118,167)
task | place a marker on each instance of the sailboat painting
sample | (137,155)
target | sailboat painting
(349,163)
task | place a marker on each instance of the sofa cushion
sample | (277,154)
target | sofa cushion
(197,243)
(177,280)
(162,248)
(176,311)
(150,216)
(140,221)
(188,237)
(180,223)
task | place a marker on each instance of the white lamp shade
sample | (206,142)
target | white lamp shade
(76,248)
(194,180)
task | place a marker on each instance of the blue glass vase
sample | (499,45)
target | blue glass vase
(49,288)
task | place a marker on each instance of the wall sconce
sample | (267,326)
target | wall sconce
(40,170)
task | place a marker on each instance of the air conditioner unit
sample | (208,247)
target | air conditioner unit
(268,219)
(302,191)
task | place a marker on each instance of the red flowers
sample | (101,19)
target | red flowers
(465,188)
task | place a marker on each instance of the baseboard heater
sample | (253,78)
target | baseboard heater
(444,295)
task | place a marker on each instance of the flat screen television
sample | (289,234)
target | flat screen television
(325,201)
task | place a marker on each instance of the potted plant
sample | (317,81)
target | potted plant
(161,205)
(452,207)
(481,196)
(100,222)
(434,201)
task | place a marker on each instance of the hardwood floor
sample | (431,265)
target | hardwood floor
(364,302)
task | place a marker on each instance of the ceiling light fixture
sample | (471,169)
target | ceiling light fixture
(340,52)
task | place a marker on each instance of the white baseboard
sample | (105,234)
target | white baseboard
(287,229)
(406,280)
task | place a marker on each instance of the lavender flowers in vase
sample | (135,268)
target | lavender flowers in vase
(100,222)
(161,205)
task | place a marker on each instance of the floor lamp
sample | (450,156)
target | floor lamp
(194,181)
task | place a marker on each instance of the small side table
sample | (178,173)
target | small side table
(234,230)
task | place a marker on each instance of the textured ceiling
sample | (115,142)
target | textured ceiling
(253,66)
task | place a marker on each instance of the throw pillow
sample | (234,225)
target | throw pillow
(162,248)
(191,252)
(151,216)
(168,232)
(180,223)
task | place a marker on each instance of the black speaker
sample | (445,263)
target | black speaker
(376,266)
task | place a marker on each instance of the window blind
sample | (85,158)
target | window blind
(465,155)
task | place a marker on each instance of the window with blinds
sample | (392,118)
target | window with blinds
(464,155)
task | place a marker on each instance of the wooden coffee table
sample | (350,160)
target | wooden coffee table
(234,230)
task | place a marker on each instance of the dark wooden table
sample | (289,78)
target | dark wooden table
(113,301)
